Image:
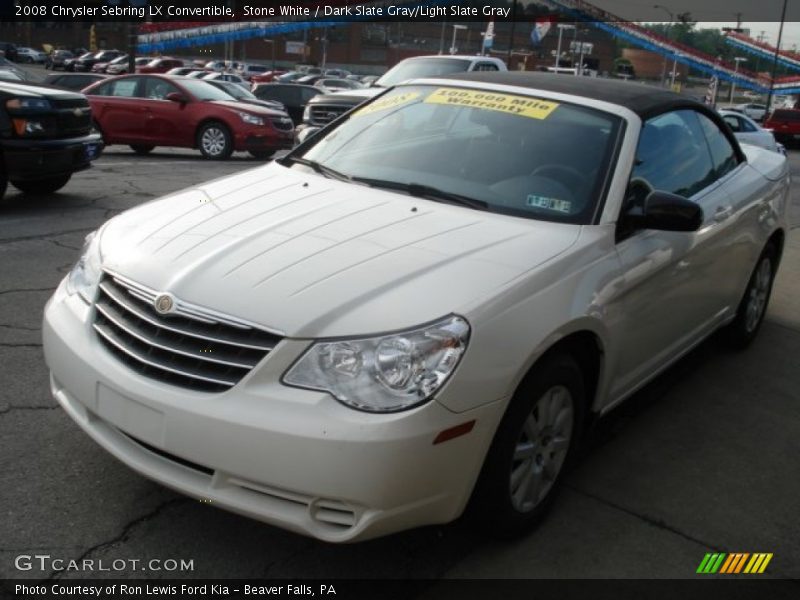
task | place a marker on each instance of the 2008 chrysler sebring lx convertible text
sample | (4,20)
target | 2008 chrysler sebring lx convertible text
(421,306)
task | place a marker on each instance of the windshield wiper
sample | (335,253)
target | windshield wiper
(317,167)
(421,190)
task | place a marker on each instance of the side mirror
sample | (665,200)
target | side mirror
(666,212)
(176,97)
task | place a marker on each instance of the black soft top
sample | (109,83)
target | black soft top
(644,100)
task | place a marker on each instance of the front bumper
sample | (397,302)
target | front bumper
(293,458)
(261,138)
(38,159)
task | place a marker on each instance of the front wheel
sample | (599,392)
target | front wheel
(533,444)
(753,306)
(42,186)
(215,141)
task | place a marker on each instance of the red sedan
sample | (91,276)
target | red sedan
(145,111)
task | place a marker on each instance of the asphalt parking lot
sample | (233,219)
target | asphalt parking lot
(704,459)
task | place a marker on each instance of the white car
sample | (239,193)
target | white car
(228,77)
(248,70)
(420,307)
(29,55)
(753,110)
(748,131)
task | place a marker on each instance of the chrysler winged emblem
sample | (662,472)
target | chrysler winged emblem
(164,303)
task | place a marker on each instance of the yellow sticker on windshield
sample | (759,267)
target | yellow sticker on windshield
(506,103)
(387,103)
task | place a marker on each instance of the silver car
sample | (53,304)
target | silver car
(419,309)
(747,131)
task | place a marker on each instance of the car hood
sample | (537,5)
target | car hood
(363,93)
(315,257)
(35,91)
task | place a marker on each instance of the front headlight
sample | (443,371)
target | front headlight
(387,373)
(252,119)
(307,114)
(85,275)
(28,104)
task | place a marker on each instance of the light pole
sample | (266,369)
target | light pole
(455,31)
(561,28)
(737,60)
(671,20)
(674,69)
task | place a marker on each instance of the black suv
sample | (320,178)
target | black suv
(45,136)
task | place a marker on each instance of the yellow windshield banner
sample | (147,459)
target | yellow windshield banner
(506,103)
(387,103)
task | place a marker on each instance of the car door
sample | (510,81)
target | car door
(117,107)
(739,235)
(671,280)
(165,120)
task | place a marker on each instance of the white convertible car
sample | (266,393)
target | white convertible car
(417,310)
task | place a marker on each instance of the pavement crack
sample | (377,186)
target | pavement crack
(63,245)
(124,534)
(307,545)
(19,327)
(659,523)
(13,408)
(24,290)
(25,238)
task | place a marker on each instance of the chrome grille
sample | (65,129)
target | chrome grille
(322,114)
(191,347)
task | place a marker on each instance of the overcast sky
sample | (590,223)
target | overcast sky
(757,15)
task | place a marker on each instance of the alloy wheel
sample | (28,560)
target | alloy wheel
(541,448)
(213,141)
(758,294)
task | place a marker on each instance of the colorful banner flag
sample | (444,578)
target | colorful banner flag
(488,37)
(540,29)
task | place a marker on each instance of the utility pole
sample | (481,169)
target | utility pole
(132,40)
(775,60)
(513,25)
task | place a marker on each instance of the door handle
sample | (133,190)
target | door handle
(722,213)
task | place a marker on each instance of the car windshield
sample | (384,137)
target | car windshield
(421,67)
(507,153)
(202,90)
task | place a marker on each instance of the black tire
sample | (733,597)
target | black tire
(262,154)
(215,141)
(42,186)
(743,329)
(513,452)
(141,149)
